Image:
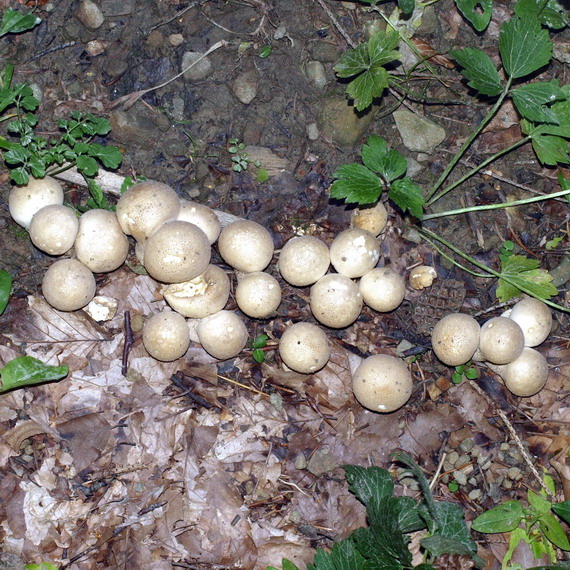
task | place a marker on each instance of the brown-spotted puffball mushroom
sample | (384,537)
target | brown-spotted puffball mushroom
(202,216)
(527,374)
(68,285)
(422,276)
(258,294)
(25,201)
(246,246)
(144,207)
(304,348)
(101,245)
(166,336)
(177,252)
(372,219)
(382,289)
(335,301)
(534,318)
(303,260)
(202,296)
(382,383)
(54,228)
(354,252)
(222,335)
(455,339)
(501,340)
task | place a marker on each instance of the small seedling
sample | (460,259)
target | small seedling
(258,344)
(240,158)
(464,371)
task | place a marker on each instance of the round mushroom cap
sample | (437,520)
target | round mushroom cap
(382,289)
(534,318)
(422,277)
(527,374)
(455,338)
(501,340)
(246,246)
(54,228)
(101,244)
(335,301)
(258,294)
(202,296)
(304,348)
(372,219)
(223,335)
(304,260)
(144,207)
(354,252)
(166,336)
(177,252)
(382,383)
(202,216)
(25,201)
(68,285)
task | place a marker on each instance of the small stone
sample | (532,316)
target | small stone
(460,477)
(316,74)
(418,133)
(472,481)
(322,462)
(295,517)
(484,461)
(467,444)
(175,39)
(452,457)
(448,466)
(505,447)
(514,473)
(312,131)
(410,482)
(475,494)
(463,460)
(507,484)
(300,461)
(201,66)
(90,15)
(476,452)
(244,87)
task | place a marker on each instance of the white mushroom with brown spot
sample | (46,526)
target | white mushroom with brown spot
(422,277)
(372,219)
(382,289)
(335,301)
(166,336)
(303,260)
(382,383)
(202,216)
(304,348)
(258,294)
(534,318)
(54,228)
(222,335)
(24,201)
(527,374)
(68,285)
(455,338)
(501,340)
(354,252)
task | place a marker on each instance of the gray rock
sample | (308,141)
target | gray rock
(10,561)
(90,15)
(460,477)
(114,8)
(316,74)
(199,70)
(418,133)
(138,126)
(244,87)
(325,52)
(475,494)
(467,444)
(322,462)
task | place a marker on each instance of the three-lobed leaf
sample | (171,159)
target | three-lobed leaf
(531,101)
(388,163)
(548,12)
(519,273)
(356,184)
(408,196)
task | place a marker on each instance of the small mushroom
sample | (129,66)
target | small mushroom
(68,285)
(166,336)
(382,289)
(422,277)
(455,338)
(534,318)
(354,252)
(304,348)
(382,383)
(527,374)
(25,201)
(501,340)
(303,260)
(202,216)
(372,219)
(258,294)
(223,334)
(335,301)
(54,228)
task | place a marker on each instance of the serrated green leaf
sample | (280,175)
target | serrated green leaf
(322,561)
(538,503)
(382,47)
(367,86)
(531,101)
(503,518)
(524,46)
(353,61)
(520,273)
(16,155)
(5,289)
(389,163)
(453,529)
(14,22)
(478,12)
(356,184)
(479,70)
(554,531)
(408,196)
(551,150)
(549,13)
(562,510)
(110,156)
(19,175)
(29,103)
(26,371)
(36,167)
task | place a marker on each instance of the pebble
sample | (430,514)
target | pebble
(452,457)
(467,444)
(484,461)
(175,39)
(312,131)
(316,74)
(200,70)
(244,87)
(90,15)
(475,494)
(418,133)
(460,477)
(514,473)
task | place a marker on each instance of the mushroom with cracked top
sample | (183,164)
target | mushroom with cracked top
(304,348)
(166,336)
(372,219)
(68,285)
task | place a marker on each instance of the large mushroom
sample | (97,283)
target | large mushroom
(455,338)
(223,334)
(68,285)
(335,301)
(382,289)
(354,252)
(53,229)
(258,294)
(534,318)
(501,340)
(202,216)
(166,336)
(304,348)
(303,260)
(25,201)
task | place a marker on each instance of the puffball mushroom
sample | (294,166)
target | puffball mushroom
(455,338)
(101,244)
(372,219)
(202,216)
(335,301)
(144,207)
(258,294)
(304,348)
(501,340)
(53,229)
(246,246)
(534,318)
(202,296)
(166,336)
(382,289)
(223,334)
(422,276)
(177,252)
(68,285)
(303,260)
(382,383)
(354,252)
(25,201)
(527,374)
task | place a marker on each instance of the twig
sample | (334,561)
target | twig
(51,50)
(128,343)
(336,24)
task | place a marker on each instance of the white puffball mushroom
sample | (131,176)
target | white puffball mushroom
(372,219)
(202,296)
(177,252)
(68,285)
(354,252)
(382,289)
(53,229)
(501,340)
(303,260)
(166,336)
(223,335)
(25,201)
(144,207)
(422,276)
(258,294)
(304,348)
(455,338)
(335,301)
(534,318)
(527,374)
(382,383)
(202,216)
(246,246)
(100,244)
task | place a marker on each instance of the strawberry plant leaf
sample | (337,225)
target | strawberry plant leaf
(389,163)
(551,150)
(550,13)
(5,289)
(367,86)
(479,70)
(503,518)
(477,12)
(26,371)
(520,273)
(356,184)
(408,196)
(531,101)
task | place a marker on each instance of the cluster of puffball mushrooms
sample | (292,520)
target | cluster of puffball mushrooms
(173,242)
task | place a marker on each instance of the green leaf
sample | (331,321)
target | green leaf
(531,100)
(453,529)
(562,510)
(20,175)
(343,556)
(14,22)
(504,518)
(477,12)
(368,484)
(374,551)
(37,167)
(5,289)
(356,184)
(110,156)
(479,70)
(288,565)
(87,165)
(26,371)
(16,155)
(538,503)
(471,373)
(521,273)
(258,355)
(554,531)
(408,196)
(367,86)
(551,150)
(550,13)
(524,46)
(389,163)
(407,6)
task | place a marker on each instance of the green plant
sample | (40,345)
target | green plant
(5,289)
(464,371)
(41,566)
(258,344)
(240,158)
(14,22)
(24,371)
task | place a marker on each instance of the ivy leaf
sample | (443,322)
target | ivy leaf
(550,14)
(477,12)
(531,100)
(479,70)
(503,518)
(369,484)
(26,371)
(522,273)
(5,289)
(524,46)
(14,22)
(356,184)
(408,196)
